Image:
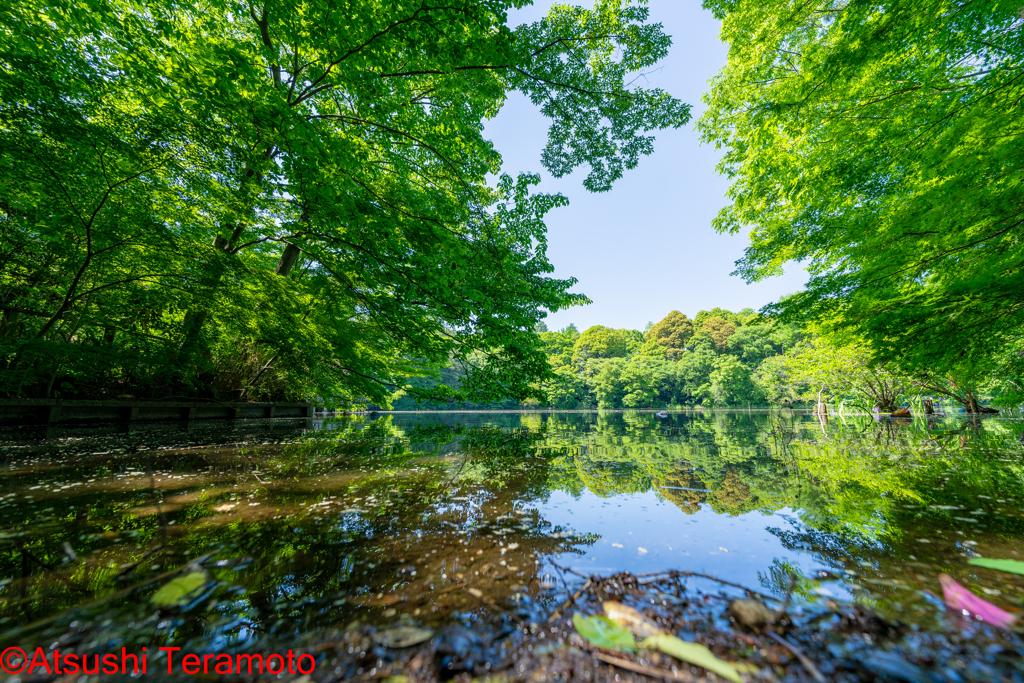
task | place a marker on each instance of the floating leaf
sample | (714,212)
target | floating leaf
(692,653)
(1012,566)
(175,593)
(959,598)
(601,631)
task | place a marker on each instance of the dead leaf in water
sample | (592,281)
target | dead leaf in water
(632,619)
(403,636)
(959,598)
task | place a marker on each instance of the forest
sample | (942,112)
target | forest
(226,201)
(293,201)
(725,359)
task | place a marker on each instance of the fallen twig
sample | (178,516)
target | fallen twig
(568,570)
(804,659)
(645,670)
(571,601)
(479,595)
(678,575)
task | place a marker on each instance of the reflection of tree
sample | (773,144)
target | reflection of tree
(871,471)
(635,452)
(779,577)
(307,559)
(675,488)
(733,495)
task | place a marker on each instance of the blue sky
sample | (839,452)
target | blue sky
(646,247)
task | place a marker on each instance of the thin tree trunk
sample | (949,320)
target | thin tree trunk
(197,315)
(289,257)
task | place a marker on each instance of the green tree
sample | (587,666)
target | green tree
(651,349)
(761,338)
(719,330)
(672,332)
(609,385)
(600,342)
(751,344)
(693,373)
(734,318)
(731,383)
(558,345)
(1007,377)
(638,382)
(879,144)
(292,199)
(568,389)
(817,371)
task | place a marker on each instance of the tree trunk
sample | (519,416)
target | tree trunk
(886,405)
(9,323)
(929,409)
(195,318)
(288,258)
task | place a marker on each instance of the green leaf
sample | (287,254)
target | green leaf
(601,631)
(176,592)
(1012,566)
(691,653)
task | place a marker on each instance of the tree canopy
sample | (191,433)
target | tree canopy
(291,198)
(672,332)
(719,330)
(600,342)
(879,143)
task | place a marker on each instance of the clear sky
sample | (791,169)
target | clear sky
(646,247)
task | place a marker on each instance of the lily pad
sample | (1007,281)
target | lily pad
(403,636)
(176,592)
(601,631)
(1012,566)
(692,653)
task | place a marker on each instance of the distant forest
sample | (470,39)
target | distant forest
(711,359)
(722,359)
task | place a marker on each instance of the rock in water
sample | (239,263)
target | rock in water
(751,614)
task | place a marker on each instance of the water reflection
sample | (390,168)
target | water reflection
(429,519)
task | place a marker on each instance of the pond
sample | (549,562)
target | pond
(432,519)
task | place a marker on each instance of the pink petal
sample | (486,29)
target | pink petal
(959,598)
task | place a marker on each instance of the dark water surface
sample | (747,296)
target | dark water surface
(392,519)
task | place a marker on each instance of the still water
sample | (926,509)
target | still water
(432,518)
